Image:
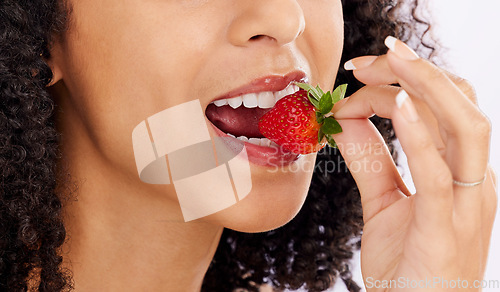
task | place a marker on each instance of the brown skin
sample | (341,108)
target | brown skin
(443,231)
(121,62)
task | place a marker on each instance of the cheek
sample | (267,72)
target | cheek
(124,67)
(121,67)
(322,41)
(118,57)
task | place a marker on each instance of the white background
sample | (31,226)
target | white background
(469,31)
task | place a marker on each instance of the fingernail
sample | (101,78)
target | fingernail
(359,63)
(401,49)
(406,106)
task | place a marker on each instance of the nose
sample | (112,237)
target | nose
(281,21)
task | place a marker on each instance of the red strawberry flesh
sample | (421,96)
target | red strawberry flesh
(241,121)
(292,124)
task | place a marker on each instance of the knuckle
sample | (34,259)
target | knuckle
(366,89)
(442,179)
(481,127)
(444,249)
(432,69)
(469,224)
(433,73)
(367,151)
(424,143)
(467,88)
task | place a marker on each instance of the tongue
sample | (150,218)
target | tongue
(241,121)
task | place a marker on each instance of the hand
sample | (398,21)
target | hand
(442,232)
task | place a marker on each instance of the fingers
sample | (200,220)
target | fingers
(464,129)
(366,102)
(374,70)
(431,175)
(364,66)
(432,80)
(462,122)
(459,130)
(380,101)
(489,210)
(440,207)
(467,130)
(371,165)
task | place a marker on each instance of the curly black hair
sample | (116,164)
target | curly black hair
(311,251)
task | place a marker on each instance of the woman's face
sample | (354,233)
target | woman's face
(123,61)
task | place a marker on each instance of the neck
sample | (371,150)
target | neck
(124,235)
(120,241)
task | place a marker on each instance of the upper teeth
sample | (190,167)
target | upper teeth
(266,99)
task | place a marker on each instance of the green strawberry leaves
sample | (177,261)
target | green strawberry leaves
(321,135)
(331,142)
(320,118)
(339,93)
(331,126)
(314,95)
(324,102)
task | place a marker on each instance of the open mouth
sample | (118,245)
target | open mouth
(238,117)
(235,116)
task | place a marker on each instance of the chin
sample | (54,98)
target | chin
(274,200)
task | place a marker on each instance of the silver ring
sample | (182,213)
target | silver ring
(469,185)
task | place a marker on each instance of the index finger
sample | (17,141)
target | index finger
(458,116)
(374,70)
(371,165)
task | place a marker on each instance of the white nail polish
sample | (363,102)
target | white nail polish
(401,97)
(402,50)
(406,106)
(390,42)
(349,66)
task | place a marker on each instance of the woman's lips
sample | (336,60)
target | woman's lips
(267,83)
(259,155)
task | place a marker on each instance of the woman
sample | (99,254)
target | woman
(90,71)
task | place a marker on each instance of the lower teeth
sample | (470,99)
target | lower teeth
(256,141)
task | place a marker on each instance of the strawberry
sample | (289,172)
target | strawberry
(301,122)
